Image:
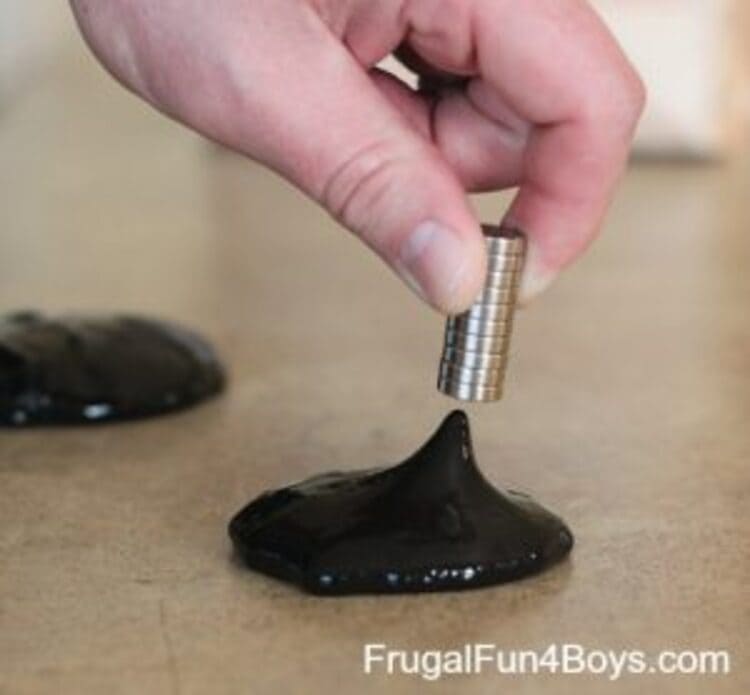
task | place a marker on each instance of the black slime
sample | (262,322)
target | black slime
(88,369)
(431,523)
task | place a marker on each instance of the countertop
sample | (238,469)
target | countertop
(626,412)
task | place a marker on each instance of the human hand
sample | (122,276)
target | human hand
(549,104)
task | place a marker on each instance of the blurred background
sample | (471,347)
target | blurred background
(690,53)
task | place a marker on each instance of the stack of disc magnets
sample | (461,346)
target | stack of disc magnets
(476,345)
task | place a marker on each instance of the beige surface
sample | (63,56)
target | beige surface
(626,411)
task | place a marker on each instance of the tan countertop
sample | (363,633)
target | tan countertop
(626,411)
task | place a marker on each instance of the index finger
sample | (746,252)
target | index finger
(556,66)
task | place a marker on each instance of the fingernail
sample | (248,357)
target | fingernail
(433,262)
(536,278)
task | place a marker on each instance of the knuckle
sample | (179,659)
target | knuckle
(619,101)
(354,193)
(635,92)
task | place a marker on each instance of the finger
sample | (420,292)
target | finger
(553,64)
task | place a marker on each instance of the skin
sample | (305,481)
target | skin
(547,103)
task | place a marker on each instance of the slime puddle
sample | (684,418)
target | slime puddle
(85,369)
(431,523)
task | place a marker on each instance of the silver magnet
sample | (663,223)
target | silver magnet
(477,343)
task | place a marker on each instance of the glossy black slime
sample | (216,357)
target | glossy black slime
(82,369)
(431,523)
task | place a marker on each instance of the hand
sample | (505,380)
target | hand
(549,103)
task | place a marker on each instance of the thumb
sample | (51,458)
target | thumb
(401,199)
(334,134)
